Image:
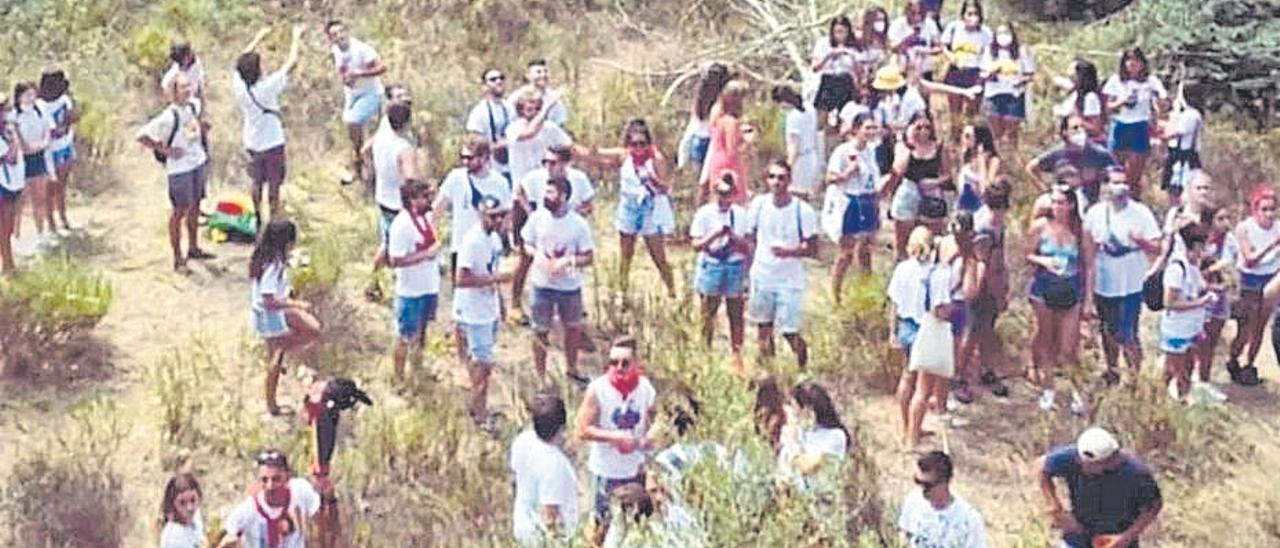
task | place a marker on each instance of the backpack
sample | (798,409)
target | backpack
(160,156)
(1153,286)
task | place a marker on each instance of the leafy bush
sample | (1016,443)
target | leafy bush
(47,305)
(148,48)
(66,492)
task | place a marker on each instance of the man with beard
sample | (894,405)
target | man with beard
(277,510)
(477,303)
(412,247)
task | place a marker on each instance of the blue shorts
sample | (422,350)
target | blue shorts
(715,278)
(1176,345)
(1007,105)
(480,339)
(861,216)
(963,77)
(385,217)
(650,216)
(1130,137)
(698,147)
(602,488)
(906,332)
(959,317)
(64,155)
(969,200)
(780,306)
(1041,279)
(35,165)
(7,195)
(360,109)
(413,314)
(549,303)
(1254,282)
(270,324)
(1120,316)
(188,188)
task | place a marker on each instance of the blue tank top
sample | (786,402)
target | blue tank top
(1067,256)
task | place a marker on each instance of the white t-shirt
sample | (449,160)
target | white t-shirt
(788,226)
(1092,106)
(194,74)
(544,477)
(710,219)
(1189,128)
(479,253)
(1123,275)
(274,281)
(802,127)
(831,442)
(1146,91)
(358,56)
(635,182)
(263,130)
(34,125)
(1186,278)
(851,110)
(910,280)
(895,111)
(558,113)
(967,45)
(57,111)
(177,535)
(245,522)
(186,138)
(520,446)
(1007,70)
(490,118)
(840,64)
(554,237)
(457,190)
(958,525)
(618,414)
(404,239)
(927,34)
(13,177)
(387,146)
(863,181)
(1259,239)
(534,186)
(525,156)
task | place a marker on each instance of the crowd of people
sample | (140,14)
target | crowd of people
(862,150)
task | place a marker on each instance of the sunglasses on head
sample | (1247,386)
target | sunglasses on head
(271,458)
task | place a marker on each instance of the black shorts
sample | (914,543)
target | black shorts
(834,90)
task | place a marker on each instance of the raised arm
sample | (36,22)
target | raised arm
(294,48)
(257,39)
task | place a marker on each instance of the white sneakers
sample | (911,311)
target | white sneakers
(1046,400)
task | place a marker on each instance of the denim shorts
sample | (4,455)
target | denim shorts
(361,108)
(1176,345)
(715,278)
(270,324)
(35,165)
(549,303)
(1120,316)
(963,77)
(780,306)
(187,189)
(1007,105)
(649,216)
(480,339)
(861,216)
(64,155)
(1254,282)
(1132,137)
(602,488)
(906,332)
(413,314)
(698,147)
(969,200)
(959,317)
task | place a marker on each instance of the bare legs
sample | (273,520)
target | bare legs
(304,331)
(657,251)
(9,212)
(734,306)
(797,343)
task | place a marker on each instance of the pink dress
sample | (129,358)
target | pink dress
(721,158)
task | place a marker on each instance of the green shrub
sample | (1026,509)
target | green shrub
(45,306)
(148,48)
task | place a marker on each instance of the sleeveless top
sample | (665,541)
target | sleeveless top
(720,158)
(631,181)
(919,169)
(629,414)
(1066,255)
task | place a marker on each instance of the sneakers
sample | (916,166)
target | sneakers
(1046,401)
(1248,376)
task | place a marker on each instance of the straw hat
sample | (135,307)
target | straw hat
(889,78)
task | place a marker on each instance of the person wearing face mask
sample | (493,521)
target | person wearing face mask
(932,516)
(1123,236)
(1089,160)
(1258,263)
(490,117)
(182,524)
(463,189)
(614,419)
(560,245)
(871,42)
(546,491)
(854,173)
(1085,99)
(538,81)
(719,234)
(964,41)
(1134,98)
(277,511)
(1007,68)
(915,37)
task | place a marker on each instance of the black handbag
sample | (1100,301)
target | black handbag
(1060,293)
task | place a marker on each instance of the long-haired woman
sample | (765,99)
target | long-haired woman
(1258,263)
(1085,99)
(1134,97)
(697,134)
(854,172)
(181,523)
(13,181)
(800,133)
(1219,259)
(826,439)
(286,324)
(55,101)
(916,181)
(981,166)
(35,134)
(833,61)
(964,41)
(1185,132)
(1061,266)
(728,142)
(959,252)
(1007,67)
(920,291)
(644,205)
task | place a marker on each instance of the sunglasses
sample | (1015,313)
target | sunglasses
(638,144)
(497,216)
(621,362)
(497,78)
(776,176)
(926,485)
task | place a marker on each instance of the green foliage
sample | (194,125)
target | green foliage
(65,491)
(148,48)
(47,305)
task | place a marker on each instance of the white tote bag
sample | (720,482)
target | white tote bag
(932,352)
(833,206)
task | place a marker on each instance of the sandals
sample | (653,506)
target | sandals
(200,254)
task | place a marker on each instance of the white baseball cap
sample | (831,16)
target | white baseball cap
(1096,444)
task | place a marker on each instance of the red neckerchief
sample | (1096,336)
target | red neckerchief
(274,525)
(626,384)
(641,157)
(424,229)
